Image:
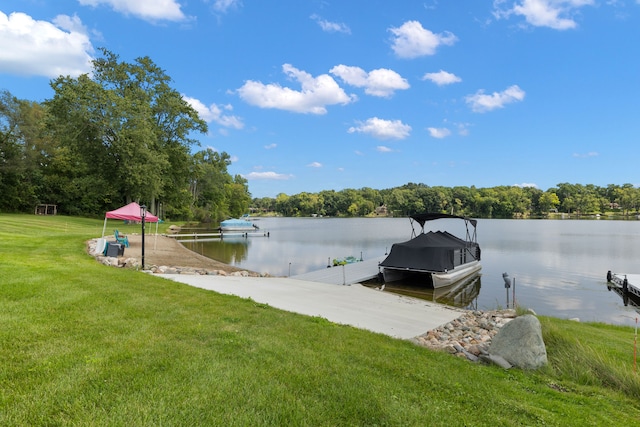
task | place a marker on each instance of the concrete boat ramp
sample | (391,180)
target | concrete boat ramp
(352,304)
(355,305)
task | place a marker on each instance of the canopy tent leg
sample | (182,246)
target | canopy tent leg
(104,227)
(155,240)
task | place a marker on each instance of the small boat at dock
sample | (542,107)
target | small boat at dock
(237,224)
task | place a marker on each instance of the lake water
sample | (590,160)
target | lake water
(559,266)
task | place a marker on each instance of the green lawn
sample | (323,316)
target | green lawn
(83,344)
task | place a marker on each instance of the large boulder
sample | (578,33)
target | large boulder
(520,343)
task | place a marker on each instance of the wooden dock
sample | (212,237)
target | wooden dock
(344,274)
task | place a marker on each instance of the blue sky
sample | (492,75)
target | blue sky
(311,95)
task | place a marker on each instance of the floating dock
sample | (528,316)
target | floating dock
(347,274)
(627,283)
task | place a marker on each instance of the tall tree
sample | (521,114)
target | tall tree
(128,129)
(23,152)
(238,196)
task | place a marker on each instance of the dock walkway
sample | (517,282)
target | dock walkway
(347,274)
(628,283)
(203,237)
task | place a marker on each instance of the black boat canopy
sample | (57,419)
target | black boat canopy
(424,217)
(432,251)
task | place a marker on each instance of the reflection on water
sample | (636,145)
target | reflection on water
(231,250)
(559,266)
(463,294)
(628,299)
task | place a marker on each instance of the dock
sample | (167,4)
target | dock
(629,284)
(203,237)
(347,274)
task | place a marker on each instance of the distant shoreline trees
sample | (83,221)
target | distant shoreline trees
(494,202)
(119,135)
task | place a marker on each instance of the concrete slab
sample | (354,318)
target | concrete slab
(348,274)
(355,305)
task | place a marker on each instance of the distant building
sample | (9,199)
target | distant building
(382,210)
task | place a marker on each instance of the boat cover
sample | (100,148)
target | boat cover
(234,222)
(423,218)
(432,251)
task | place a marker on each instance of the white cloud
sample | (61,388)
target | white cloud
(463,129)
(213,113)
(224,5)
(331,27)
(315,165)
(383,149)
(439,132)
(316,93)
(381,82)
(270,146)
(273,176)
(526,185)
(382,129)
(411,40)
(481,102)
(442,78)
(148,10)
(585,155)
(30,47)
(556,14)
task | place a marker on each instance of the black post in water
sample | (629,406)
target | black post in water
(143,214)
(507,285)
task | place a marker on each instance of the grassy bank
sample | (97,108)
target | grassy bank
(85,344)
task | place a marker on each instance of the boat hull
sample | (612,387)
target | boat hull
(231,228)
(237,225)
(437,279)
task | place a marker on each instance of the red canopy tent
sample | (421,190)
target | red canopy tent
(130,212)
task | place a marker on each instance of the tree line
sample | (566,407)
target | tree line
(494,202)
(118,135)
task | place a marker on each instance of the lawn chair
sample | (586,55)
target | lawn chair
(122,239)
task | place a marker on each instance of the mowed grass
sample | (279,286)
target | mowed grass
(82,344)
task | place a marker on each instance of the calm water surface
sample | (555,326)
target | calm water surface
(559,266)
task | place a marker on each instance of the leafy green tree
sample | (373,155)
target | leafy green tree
(283,204)
(238,196)
(208,185)
(128,129)
(329,203)
(547,201)
(24,152)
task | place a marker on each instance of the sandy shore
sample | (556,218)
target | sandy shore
(162,250)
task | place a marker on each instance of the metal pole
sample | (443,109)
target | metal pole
(143,214)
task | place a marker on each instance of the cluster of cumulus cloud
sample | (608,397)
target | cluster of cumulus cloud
(64,47)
